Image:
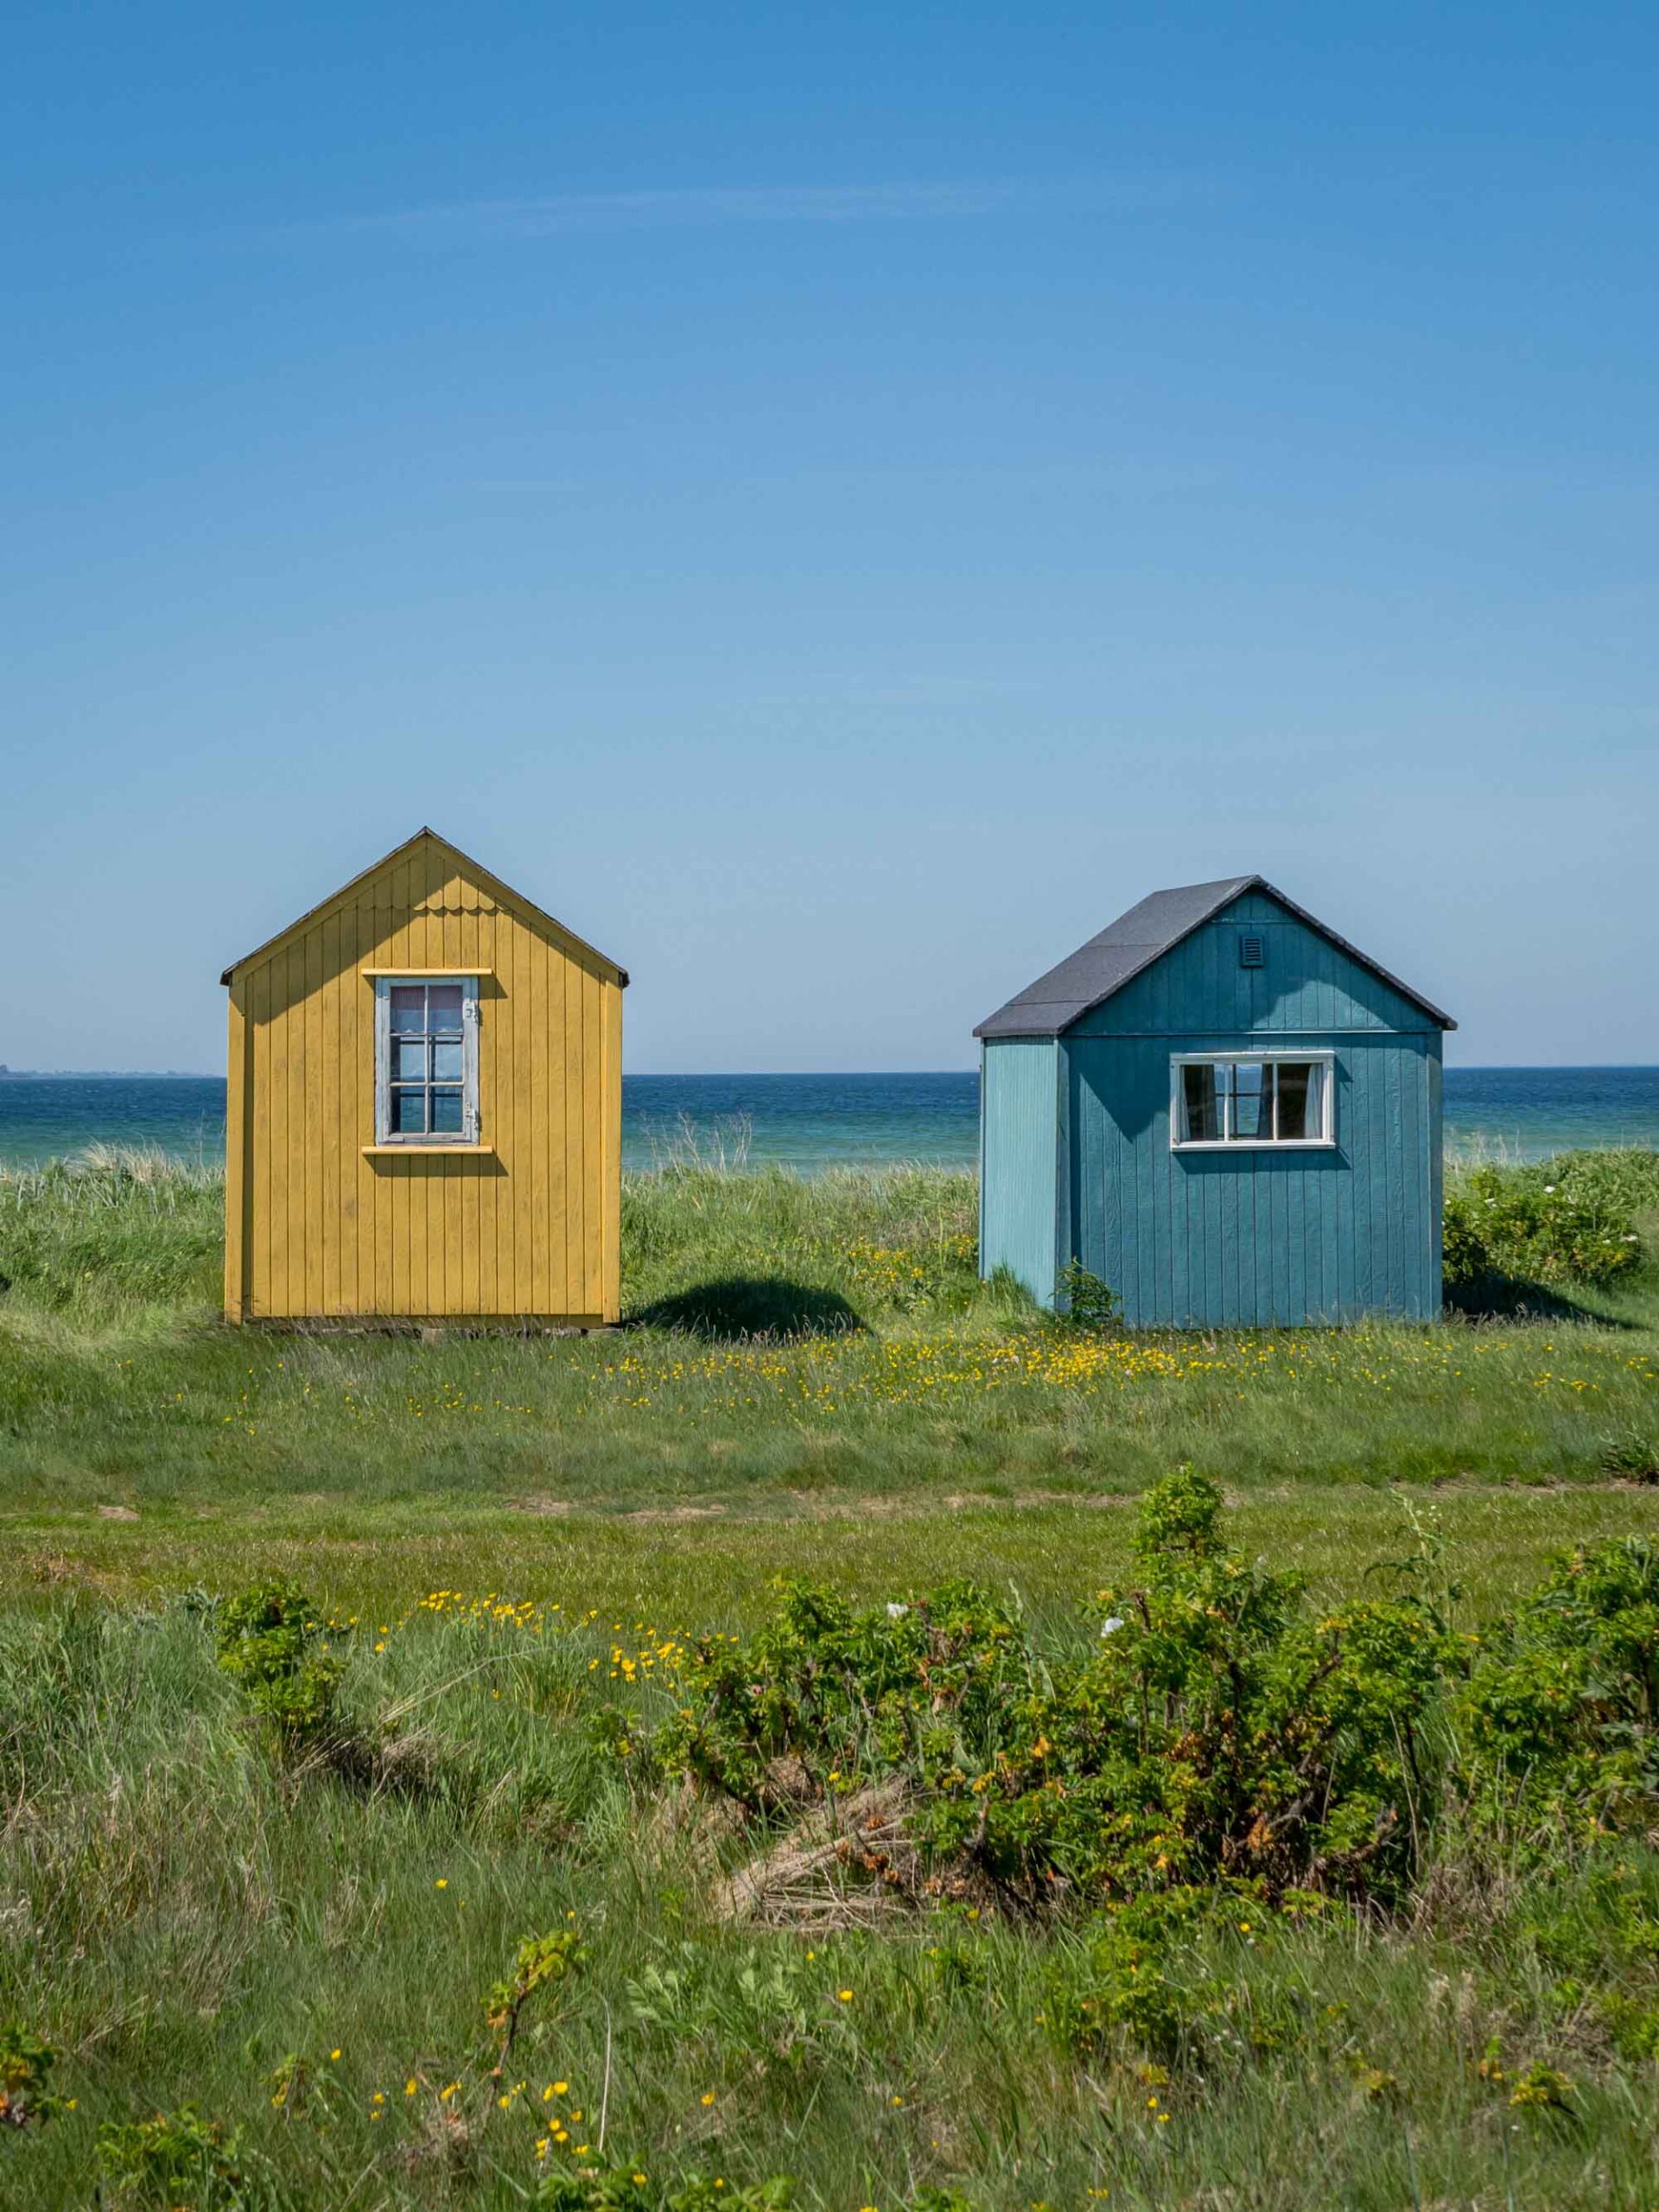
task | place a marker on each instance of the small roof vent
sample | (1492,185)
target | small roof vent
(1252,949)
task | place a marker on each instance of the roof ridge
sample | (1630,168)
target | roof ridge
(499,883)
(1087,978)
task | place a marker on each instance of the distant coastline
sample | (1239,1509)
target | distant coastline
(822,1075)
(102,1075)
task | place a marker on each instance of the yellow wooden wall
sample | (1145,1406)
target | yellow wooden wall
(316,1225)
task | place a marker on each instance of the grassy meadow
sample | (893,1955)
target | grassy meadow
(280,1938)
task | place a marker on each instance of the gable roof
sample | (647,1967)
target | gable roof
(486,881)
(1097,971)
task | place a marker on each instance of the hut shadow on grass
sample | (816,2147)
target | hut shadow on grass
(737,1306)
(1507,1297)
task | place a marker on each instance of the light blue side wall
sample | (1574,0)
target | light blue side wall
(1023,1182)
(1205,1239)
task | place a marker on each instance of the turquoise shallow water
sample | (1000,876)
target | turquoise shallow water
(812,1121)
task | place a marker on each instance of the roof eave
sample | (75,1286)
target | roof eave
(1027,1026)
(1436,1014)
(1236,886)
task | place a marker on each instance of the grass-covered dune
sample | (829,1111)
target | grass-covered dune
(1292,1856)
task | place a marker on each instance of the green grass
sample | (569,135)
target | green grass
(890,1375)
(180,1912)
(185,1915)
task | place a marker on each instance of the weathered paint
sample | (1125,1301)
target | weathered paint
(320,1223)
(1022,1167)
(1252,1236)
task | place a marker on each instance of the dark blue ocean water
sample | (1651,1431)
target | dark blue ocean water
(811,1122)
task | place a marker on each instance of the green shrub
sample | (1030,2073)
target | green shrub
(1120,1983)
(1624,1177)
(544,1961)
(1633,2025)
(178,2160)
(1146,1975)
(1542,2088)
(1558,1223)
(773,2009)
(26,2064)
(271,1641)
(1083,1299)
(1213,1729)
(1633,1452)
(1565,1702)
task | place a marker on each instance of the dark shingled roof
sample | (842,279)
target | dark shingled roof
(1098,969)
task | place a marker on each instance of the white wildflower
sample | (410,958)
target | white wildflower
(1111,1624)
(895,1611)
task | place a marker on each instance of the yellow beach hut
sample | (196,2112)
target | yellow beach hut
(424,1118)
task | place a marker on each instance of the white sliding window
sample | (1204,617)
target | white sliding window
(1220,1099)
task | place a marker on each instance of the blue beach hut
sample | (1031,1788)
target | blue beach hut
(1223,1110)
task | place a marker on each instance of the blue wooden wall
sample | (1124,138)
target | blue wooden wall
(1254,1237)
(1022,1167)
(1250,1238)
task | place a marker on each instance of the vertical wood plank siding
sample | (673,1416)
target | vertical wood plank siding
(318,1229)
(1304,984)
(1020,1172)
(239,1129)
(1211,1239)
(1254,1238)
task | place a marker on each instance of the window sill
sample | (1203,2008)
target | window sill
(398,1150)
(1256,1144)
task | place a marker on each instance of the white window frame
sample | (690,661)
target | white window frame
(467,1133)
(1324,1142)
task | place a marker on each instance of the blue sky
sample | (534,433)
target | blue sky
(835,503)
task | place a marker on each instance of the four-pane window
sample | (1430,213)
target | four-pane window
(426,1086)
(1223,1099)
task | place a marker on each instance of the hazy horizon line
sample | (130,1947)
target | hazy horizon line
(681,1075)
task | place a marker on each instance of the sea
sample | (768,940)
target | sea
(811,1122)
